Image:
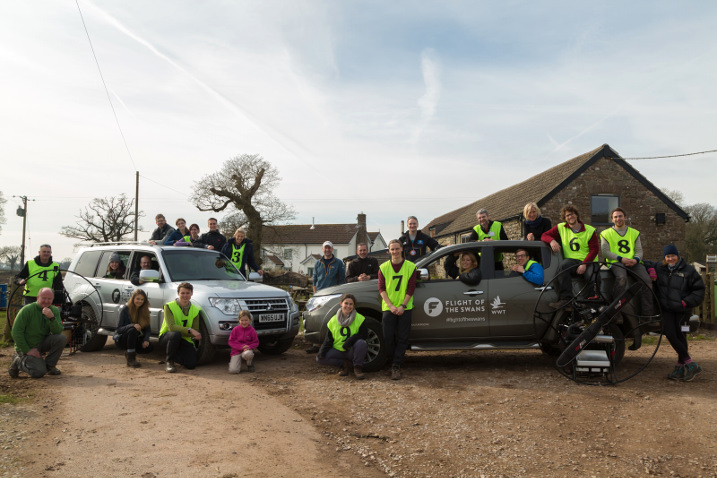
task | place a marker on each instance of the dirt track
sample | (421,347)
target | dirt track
(505,413)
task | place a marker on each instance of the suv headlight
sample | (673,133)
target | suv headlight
(228,306)
(293,308)
(316,302)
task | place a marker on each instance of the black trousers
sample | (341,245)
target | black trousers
(396,329)
(132,339)
(178,349)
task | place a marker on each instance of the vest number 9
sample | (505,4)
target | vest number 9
(345,332)
(574,244)
(623,246)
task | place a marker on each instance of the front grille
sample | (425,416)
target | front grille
(257,307)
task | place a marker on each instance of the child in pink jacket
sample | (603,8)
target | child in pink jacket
(243,340)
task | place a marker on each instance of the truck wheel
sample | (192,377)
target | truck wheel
(206,349)
(89,338)
(274,346)
(377,350)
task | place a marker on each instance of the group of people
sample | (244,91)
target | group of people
(37,328)
(238,248)
(678,285)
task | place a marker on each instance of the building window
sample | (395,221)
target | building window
(600,207)
(465,237)
(287,254)
(309,271)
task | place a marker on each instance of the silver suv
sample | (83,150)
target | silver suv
(219,288)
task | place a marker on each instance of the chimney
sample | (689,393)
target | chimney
(403,228)
(362,234)
(312,224)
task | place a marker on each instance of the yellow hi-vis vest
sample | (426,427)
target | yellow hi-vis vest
(237,255)
(341,333)
(181,319)
(39,277)
(397,283)
(575,246)
(623,246)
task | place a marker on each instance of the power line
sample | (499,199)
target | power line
(107,91)
(673,155)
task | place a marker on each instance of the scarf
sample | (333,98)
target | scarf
(345,320)
(535,223)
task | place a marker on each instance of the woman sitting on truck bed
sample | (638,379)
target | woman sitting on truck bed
(469,271)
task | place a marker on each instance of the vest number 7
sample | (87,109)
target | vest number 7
(398,285)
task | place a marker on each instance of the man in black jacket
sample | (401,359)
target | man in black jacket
(363,267)
(40,272)
(415,243)
(162,232)
(213,239)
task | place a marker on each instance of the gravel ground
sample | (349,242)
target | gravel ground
(503,413)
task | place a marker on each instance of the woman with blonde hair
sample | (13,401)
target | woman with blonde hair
(469,270)
(534,224)
(133,329)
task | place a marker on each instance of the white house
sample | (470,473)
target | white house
(300,246)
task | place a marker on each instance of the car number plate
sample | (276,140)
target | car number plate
(271,318)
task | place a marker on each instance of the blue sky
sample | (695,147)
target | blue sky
(390,108)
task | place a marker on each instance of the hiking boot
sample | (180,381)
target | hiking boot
(250,367)
(132,359)
(345,369)
(677,373)
(396,373)
(14,370)
(358,371)
(53,371)
(559,304)
(170,366)
(691,371)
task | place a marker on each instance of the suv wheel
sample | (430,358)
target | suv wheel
(91,341)
(376,353)
(206,349)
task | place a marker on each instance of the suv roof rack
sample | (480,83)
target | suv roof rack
(116,243)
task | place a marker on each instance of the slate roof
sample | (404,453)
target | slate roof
(509,202)
(304,234)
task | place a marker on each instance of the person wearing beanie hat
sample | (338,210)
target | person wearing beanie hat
(115,269)
(679,289)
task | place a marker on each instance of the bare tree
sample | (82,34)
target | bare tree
(245,187)
(108,219)
(701,231)
(11,256)
(2,210)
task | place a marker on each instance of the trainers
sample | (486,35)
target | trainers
(250,367)
(677,373)
(396,373)
(170,367)
(53,371)
(14,370)
(358,372)
(559,304)
(691,371)
(345,369)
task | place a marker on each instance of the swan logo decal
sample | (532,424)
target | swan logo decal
(497,304)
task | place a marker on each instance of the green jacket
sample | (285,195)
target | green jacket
(31,327)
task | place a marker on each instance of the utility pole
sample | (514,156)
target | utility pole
(136,204)
(22,211)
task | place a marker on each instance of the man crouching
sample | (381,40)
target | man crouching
(37,331)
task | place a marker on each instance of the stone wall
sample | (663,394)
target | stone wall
(641,205)
(606,176)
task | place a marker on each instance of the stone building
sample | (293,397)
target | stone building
(595,183)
